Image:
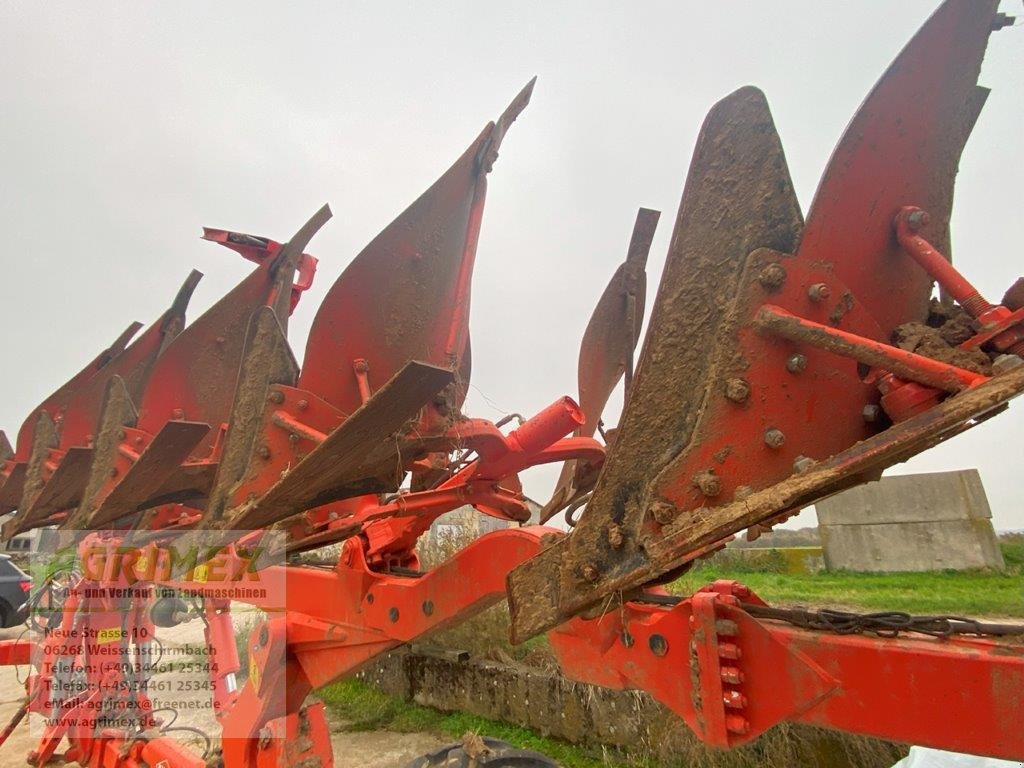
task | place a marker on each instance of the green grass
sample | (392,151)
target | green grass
(970,593)
(365,708)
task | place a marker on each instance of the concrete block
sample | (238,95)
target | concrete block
(929,496)
(926,522)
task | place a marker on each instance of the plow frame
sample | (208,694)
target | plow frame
(727,673)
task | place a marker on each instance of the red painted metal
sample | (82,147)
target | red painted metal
(731,676)
(406,295)
(901,148)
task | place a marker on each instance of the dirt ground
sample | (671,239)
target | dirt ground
(351,750)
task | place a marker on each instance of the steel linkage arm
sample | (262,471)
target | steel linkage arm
(341,618)
(731,676)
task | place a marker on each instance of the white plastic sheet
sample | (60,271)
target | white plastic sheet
(921,757)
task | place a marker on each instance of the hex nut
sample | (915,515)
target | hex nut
(818,292)
(708,482)
(871,413)
(796,362)
(802,463)
(772,276)
(663,512)
(774,438)
(737,390)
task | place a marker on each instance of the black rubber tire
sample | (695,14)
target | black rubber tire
(502,756)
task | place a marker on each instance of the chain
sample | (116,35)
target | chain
(883,624)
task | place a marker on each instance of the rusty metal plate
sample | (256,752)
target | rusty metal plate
(738,198)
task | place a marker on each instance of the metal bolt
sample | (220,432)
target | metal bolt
(293,438)
(772,277)
(360,365)
(658,645)
(736,724)
(263,452)
(726,627)
(774,438)
(737,390)
(589,572)
(113,471)
(120,434)
(729,651)
(818,292)
(802,463)
(392,614)
(276,397)
(918,219)
(708,482)
(732,675)
(1006,363)
(615,537)
(428,607)
(663,513)
(742,492)
(303,404)
(796,363)
(871,413)
(178,414)
(734,700)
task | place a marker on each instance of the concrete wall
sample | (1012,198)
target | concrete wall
(923,522)
(587,714)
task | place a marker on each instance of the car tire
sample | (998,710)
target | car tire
(501,755)
(7,614)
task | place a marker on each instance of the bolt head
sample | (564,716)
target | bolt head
(1006,363)
(615,537)
(707,482)
(818,292)
(772,276)
(276,397)
(737,390)
(774,438)
(796,362)
(802,463)
(871,413)
(663,512)
(589,572)
(918,219)
(263,452)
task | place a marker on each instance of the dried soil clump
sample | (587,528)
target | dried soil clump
(947,327)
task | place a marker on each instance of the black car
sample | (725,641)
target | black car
(15,585)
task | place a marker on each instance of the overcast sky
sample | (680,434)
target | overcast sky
(127,126)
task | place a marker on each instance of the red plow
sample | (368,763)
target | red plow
(787,358)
